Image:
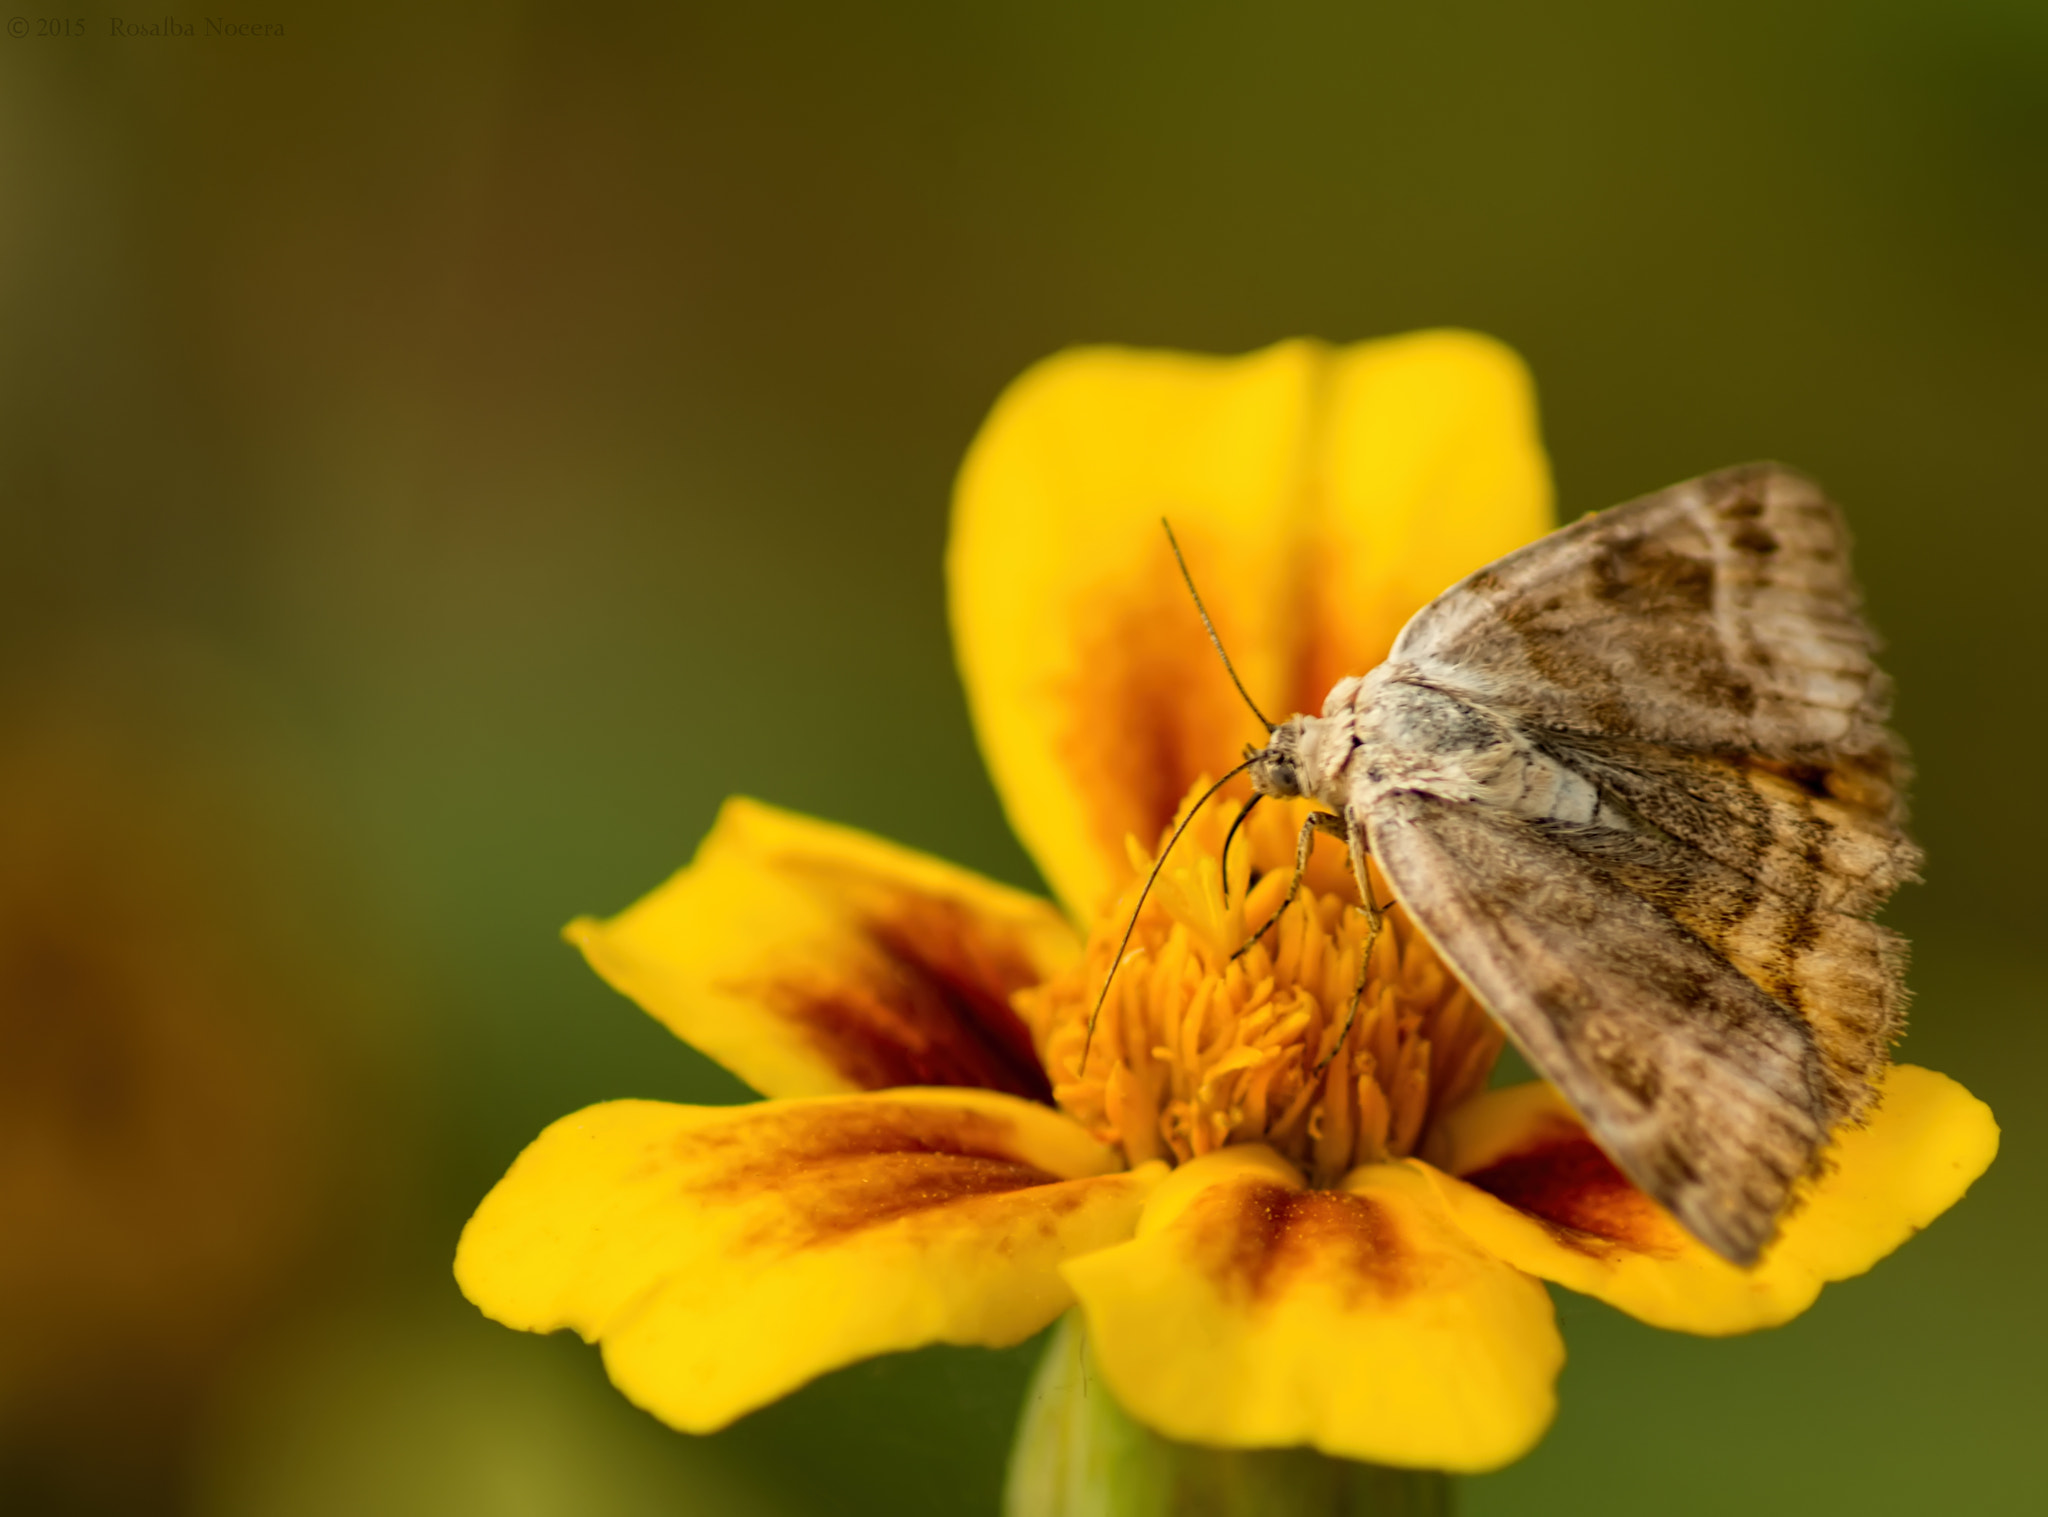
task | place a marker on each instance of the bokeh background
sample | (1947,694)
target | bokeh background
(447,448)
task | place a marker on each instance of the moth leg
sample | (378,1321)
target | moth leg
(1355,837)
(1373,918)
(1318,821)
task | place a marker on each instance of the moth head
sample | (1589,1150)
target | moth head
(1275,769)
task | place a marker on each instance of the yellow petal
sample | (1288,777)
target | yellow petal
(1250,1312)
(726,1255)
(1536,1191)
(1322,496)
(815,960)
(1434,469)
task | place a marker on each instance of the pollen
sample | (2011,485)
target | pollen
(1194,1050)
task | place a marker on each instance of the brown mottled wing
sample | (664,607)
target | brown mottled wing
(1719,616)
(1692,965)
(1702,1088)
(1775,877)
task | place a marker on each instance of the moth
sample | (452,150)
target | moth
(1634,783)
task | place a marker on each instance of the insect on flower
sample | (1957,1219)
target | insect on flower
(1271,1178)
(1633,782)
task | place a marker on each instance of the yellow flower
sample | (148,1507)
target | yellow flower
(1275,1238)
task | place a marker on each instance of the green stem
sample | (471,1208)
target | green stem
(1079,1454)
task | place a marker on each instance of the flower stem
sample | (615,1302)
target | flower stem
(1079,1454)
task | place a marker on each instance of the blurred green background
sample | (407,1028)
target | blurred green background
(445,449)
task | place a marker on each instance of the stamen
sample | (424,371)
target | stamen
(1194,1050)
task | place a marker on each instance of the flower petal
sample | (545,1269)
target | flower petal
(815,960)
(726,1255)
(1537,1192)
(1322,496)
(1249,1312)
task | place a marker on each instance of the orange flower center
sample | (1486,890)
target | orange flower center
(1193,1050)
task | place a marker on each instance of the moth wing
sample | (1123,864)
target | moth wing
(1777,879)
(1706,1092)
(1718,615)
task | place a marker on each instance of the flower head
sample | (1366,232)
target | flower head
(1203,1042)
(1286,1221)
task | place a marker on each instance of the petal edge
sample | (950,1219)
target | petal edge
(813,959)
(1925,1144)
(724,1256)
(1251,1313)
(1323,495)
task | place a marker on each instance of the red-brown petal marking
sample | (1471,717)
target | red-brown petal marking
(1252,1313)
(813,960)
(1567,1183)
(1517,1173)
(726,1255)
(1257,1242)
(837,1171)
(929,1005)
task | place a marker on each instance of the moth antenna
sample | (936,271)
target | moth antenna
(1158,864)
(1203,611)
(1229,837)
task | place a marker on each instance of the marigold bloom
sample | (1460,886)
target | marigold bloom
(1276,1238)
